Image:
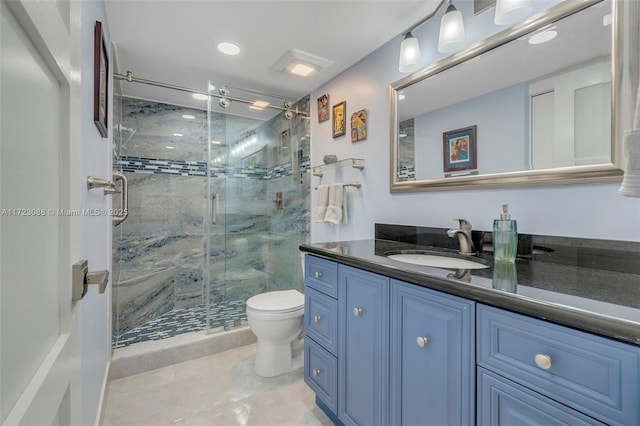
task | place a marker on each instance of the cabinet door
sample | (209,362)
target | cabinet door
(363,370)
(503,402)
(432,357)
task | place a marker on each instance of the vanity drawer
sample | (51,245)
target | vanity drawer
(322,275)
(321,319)
(503,403)
(591,374)
(321,373)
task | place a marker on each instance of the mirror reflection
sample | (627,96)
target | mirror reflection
(541,101)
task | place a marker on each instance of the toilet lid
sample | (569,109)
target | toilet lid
(277,301)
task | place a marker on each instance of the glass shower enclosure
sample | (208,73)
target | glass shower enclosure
(218,205)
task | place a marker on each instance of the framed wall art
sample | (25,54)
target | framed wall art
(100,81)
(323,108)
(460,149)
(339,119)
(359,125)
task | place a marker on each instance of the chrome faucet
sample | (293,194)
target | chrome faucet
(464,236)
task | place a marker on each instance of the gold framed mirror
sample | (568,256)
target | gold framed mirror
(543,114)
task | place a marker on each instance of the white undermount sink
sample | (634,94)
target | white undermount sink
(439,260)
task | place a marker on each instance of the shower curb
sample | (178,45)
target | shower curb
(152,355)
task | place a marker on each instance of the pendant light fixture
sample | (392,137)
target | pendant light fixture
(410,57)
(451,30)
(511,11)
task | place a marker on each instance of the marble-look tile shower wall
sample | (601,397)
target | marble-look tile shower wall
(159,251)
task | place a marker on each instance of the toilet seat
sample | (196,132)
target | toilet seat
(276,302)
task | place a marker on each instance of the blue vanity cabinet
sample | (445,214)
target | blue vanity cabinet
(321,332)
(584,373)
(363,350)
(379,351)
(432,357)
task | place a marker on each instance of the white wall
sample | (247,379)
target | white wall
(95,308)
(590,211)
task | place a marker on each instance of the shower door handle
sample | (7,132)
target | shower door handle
(214,208)
(122,216)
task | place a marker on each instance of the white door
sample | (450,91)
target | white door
(39,151)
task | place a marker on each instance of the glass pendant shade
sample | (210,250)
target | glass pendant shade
(510,11)
(410,57)
(451,30)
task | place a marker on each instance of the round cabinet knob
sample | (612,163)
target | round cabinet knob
(422,341)
(315,373)
(357,312)
(317,274)
(316,318)
(543,361)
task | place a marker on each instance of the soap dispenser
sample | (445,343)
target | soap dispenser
(505,236)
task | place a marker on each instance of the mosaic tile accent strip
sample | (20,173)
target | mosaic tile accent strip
(187,320)
(199,168)
(406,173)
(159,166)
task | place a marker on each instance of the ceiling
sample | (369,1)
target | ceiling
(175,42)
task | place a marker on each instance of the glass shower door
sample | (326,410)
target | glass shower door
(158,255)
(258,206)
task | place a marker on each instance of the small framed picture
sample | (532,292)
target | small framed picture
(323,108)
(359,125)
(100,81)
(460,150)
(339,119)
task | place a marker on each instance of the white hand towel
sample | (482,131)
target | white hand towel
(335,207)
(322,202)
(631,182)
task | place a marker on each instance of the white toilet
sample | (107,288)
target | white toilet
(276,318)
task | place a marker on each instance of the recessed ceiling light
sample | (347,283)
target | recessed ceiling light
(303,70)
(170,147)
(200,96)
(303,63)
(543,37)
(228,48)
(178,134)
(188,116)
(216,142)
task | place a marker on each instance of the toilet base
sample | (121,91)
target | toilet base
(276,359)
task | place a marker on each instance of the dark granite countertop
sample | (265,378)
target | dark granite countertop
(590,285)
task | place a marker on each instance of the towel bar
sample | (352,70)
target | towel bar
(354,184)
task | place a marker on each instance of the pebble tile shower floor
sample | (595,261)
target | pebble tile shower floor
(185,320)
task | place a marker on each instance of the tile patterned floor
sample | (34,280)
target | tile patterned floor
(187,320)
(219,389)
